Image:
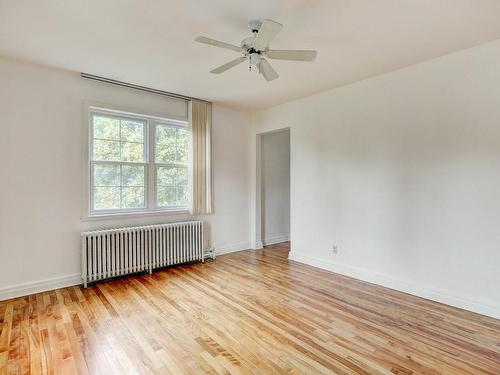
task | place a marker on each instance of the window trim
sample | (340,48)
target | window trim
(150,188)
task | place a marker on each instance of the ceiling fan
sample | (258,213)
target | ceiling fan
(255,49)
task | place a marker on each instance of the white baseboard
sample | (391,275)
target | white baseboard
(275,239)
(435,294)
(25,289)
(232,248)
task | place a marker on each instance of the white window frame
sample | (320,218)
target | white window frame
(150,165)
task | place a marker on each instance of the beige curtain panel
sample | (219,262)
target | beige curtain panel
(201,124)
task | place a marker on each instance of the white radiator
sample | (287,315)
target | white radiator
(115,252)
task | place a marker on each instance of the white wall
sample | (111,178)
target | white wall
(275,195)
(402,172)
(41,149)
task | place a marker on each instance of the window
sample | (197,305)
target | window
(171,157)
(137,163)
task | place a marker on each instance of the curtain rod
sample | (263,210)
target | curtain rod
(140,88)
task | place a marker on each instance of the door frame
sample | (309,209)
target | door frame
(258,182)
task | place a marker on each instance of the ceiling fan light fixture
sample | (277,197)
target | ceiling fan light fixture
(254,59)
(254,25)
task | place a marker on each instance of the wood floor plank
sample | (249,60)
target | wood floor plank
(251,312)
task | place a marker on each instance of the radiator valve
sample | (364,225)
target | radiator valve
(209,253)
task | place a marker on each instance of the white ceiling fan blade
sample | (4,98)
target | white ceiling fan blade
(267,32)
(267,70)
(228,65)
(289,54)
(216,43)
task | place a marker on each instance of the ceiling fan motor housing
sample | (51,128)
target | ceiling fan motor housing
(247,43)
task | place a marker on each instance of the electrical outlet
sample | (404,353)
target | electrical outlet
(335,249)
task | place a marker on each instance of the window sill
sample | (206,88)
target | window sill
(134,214)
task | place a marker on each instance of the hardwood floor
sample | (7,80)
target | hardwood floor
(252,312)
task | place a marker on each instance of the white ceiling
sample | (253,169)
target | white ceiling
(150,42)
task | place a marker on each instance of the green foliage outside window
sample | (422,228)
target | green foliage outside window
(119,163)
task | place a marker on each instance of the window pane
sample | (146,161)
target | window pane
(182,195)
(167,176)
(132,131)
(165,135)
(182,145)
(106,150)
(106,175)
(182,176)
(106,127)
(167,196)
(182,154)
(132,175)
(172,186)
(132,197)
(132,152)
(165,154)
(172,144)
(106,198)
(182,137)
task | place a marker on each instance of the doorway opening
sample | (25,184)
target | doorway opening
(273,187)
